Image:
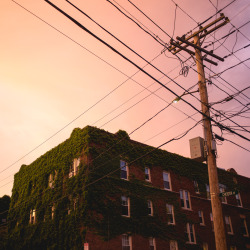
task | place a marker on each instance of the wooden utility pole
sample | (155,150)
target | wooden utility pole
(219,229)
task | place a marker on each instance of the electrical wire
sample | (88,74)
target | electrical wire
(220,73)
(110,173)
(134,64)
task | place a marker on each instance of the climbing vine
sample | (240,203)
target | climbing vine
(91,199)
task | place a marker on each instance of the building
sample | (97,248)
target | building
(99,190)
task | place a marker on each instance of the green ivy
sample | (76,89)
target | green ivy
(98,197)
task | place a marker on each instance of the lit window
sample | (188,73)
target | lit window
(222,189)
(152,243)
(185,199)
(196,187)
(170,214)
(208,191)
(229,228)
(125,206)
(244,229)
(173,245)
(150,208)
(238,200)
(190,233)
(205,246)
(166,181)
(126,242)
(33,216)
(124,170)
(201,218)
(147,174)
(212,221)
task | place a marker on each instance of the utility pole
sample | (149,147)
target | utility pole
(219,229)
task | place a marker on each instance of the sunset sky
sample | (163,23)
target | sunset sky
(55,77)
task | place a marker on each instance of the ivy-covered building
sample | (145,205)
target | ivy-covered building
(99,190)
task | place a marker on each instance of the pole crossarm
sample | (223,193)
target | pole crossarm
(183,42)
(197,47)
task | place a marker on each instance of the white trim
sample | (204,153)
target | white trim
(167,174)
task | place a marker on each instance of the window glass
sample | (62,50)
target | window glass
(124,170)
(147,174)
(150,208)
(228,224)
(126,242)
(125,205)
(170,213)
(166,180)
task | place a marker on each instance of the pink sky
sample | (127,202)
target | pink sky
(47,80)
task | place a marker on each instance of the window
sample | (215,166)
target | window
(152,243)
(238,200)
(208,191)
(201,218)
(124,170)
(76,164)
(126,242)
(173,245)
(185,199)
(52,178)
(229,228)
(205,246)
(74,168)
(190,233)
(244,229)
(150,208)
(212,221)
(147,174)
(166,181)
(125,206)
(53,212)
(222,189)
(33,216)
(170,214)
(196,187)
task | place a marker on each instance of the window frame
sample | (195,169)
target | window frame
(222,189)
(147,173)
(239,201)
(201,217)
(127,240)
(244,224)
(167,181)
(122,170)
(208,192)
(170,212)
(33,216)
(212,221)
(127,199)
(150,208)
(188,227)
(228,224)
(196,187)
(173,243)
(152,243)
(184,197)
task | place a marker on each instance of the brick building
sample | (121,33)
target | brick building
(104,191)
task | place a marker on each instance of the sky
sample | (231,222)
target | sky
(55,77)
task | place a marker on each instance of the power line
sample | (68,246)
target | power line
(110,173)
(138,67)
(231,67)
